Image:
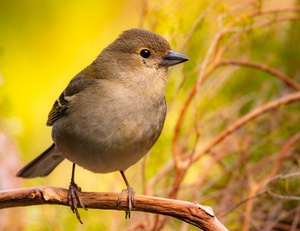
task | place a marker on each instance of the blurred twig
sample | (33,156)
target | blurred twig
(263,67)
(246,118)
(212,60)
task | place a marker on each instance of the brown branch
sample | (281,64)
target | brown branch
(214,47)
(217,52)
(245,119)
(265,68)
(257,186)
(260,13)
(192,213)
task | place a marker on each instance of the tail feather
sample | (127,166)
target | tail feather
(43,164)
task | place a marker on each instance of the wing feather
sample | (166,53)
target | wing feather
(60,107)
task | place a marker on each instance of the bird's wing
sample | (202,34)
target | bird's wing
(60,107)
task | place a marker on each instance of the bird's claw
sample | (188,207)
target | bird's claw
(74,198)
(130,193)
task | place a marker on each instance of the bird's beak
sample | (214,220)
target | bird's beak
(173,58)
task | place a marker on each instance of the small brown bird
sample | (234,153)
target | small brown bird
(112,112)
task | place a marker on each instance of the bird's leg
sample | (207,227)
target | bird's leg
(74,196)
(130,192)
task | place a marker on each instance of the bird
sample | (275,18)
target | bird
(111,113)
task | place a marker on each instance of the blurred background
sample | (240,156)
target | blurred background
(231,138)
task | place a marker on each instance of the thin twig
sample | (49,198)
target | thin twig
(265,68)
(246,118)
(283,197)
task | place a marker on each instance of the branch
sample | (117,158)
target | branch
(192,213)
(245,119)
(265,68)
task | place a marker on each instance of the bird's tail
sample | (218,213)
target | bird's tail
(43,164)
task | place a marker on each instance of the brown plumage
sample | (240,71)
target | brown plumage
(112,112)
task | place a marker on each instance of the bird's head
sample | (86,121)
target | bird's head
(142,53)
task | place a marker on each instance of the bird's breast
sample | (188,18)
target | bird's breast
(112,131)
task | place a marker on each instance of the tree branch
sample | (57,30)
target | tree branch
(192,213)
(284,100)
(265,68)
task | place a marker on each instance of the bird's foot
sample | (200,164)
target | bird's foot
(130,193)
(74,198)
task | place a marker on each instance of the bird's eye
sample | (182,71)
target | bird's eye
(145,53)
